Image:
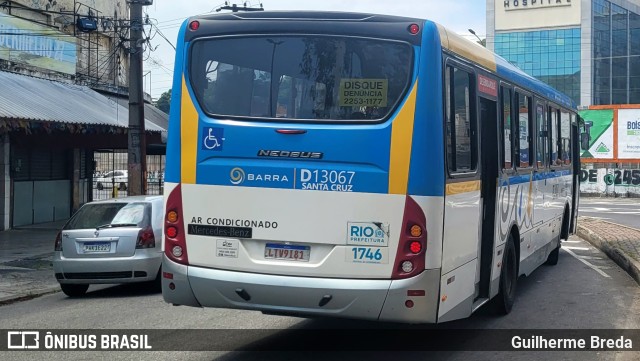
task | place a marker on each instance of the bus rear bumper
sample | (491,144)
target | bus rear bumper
(383,300)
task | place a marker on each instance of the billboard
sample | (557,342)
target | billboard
(629,134)
(28,43)
(601,145)
(534,14)
(615,134)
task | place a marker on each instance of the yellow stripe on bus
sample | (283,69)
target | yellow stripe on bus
(463,187)
(401,142)
(189,137)
(463,47)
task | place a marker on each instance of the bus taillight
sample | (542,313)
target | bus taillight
(410,258)
(175,242)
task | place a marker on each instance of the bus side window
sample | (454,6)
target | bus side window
(542,146)
(507,130)
(461,127)
(566,119)
(553,132)
(524,130)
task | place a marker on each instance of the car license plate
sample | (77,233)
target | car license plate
(96,247)
(287,252)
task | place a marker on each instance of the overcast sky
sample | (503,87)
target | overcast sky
(457,15)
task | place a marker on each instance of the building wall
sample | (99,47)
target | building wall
(616,54)
(528,14)
(552,56)
(598,180)
(609,51)
(99,56)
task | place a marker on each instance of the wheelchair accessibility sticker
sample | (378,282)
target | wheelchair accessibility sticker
(213,139)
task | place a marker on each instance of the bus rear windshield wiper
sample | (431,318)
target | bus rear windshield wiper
(117,225)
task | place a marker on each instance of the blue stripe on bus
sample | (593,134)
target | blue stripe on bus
(173,154)
(426,175)
(370,163)
(526,178)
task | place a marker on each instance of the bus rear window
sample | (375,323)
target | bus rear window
(300,77)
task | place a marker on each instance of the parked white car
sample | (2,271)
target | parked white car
(110,242)
(118,177)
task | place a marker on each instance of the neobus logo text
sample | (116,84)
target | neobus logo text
(289,154)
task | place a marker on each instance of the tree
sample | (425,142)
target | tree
(164,102)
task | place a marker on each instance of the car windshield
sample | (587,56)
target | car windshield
(311,78)
(101,214)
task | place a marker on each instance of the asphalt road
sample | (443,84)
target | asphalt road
(625,211)
(584,291)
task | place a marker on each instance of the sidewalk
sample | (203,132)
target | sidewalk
(618,242)
(25,262)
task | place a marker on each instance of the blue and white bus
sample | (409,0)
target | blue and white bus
(361,166)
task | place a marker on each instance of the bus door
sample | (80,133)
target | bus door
(575,159)
(489,167)
(462,285)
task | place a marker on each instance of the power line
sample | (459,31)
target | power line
(164,37)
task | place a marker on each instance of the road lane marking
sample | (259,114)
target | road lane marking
(595,268)
(591,257)
(577,248)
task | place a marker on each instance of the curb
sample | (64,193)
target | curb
(630,265)
(29,296)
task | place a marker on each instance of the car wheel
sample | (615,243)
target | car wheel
(100,186)
(123,187)
(503,303)
(74,290)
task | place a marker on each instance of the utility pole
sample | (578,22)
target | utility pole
(137,154)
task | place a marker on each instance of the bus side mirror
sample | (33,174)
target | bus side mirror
(584,141)
(585,137)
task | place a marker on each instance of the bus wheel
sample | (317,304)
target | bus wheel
(552,260)
(508,279)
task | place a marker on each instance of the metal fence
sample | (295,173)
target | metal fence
(110,175)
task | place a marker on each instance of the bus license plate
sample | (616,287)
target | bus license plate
(96,247)
(287,252)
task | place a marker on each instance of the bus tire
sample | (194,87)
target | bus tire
(552,260)
(503,303)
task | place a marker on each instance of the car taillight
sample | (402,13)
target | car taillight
(175,244)
(146,239)
(58,243)
(410,258)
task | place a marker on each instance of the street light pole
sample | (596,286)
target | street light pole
(477,37)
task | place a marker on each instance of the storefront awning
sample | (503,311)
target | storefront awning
(32,99)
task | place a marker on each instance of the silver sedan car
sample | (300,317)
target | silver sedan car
(108,242)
